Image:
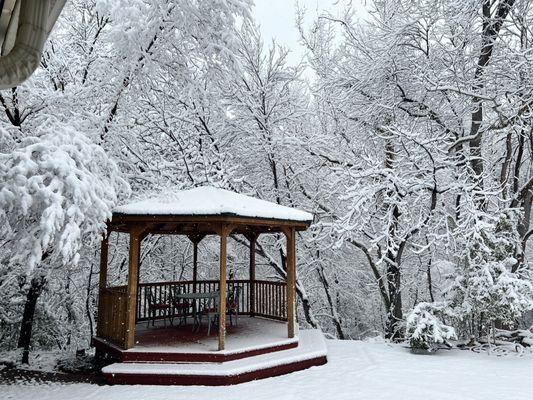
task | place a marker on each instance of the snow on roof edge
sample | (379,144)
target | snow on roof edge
(211,201)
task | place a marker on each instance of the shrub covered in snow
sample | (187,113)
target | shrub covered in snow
(425,330)
(58,188)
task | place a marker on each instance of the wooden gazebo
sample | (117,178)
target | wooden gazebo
(197,213)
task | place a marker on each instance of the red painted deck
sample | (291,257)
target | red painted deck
(310,352)
(251,337)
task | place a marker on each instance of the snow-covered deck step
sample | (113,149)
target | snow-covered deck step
(311,351)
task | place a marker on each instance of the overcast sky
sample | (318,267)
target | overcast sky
(277,19)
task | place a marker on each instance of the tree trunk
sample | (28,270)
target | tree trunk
(88,305)
(36,288)
(490,28)
(306,306)
(393,329)
(332,306)
(430,280)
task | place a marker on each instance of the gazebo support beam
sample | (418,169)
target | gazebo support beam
(194,265)
(104,252)
(102,284)
(252,237)
(136,236)
(290,235)
(225,231)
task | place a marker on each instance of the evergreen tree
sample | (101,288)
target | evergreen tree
(488,287)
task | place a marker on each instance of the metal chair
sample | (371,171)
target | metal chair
(154,306)
(182,306)
(232,304)
(210,310)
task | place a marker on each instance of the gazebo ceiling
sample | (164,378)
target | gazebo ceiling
(201,211)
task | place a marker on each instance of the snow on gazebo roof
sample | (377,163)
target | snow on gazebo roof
(211,201)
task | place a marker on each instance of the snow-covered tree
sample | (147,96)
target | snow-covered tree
(406,102)
(58,189)
(486,287)
(425,329)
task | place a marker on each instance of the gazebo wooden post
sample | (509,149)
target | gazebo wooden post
(194,265)
(225,230)
(291,279)
(102,284)
(253,239)
(133,271)
(141,238)
(104,252)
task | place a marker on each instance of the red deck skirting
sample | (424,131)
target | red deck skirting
(212,380)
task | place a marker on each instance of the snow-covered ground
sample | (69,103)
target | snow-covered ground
(356,370)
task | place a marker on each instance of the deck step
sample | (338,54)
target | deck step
(154,355)
(311,351)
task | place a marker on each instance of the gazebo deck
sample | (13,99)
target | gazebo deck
(311,351)
(252,336)
(249,333)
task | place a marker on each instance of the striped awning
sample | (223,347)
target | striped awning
(24,28)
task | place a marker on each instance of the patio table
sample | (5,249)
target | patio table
(196,297)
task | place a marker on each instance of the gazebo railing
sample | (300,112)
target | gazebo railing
(270,297)
(112,309)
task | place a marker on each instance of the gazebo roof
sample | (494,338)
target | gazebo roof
(207,201)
